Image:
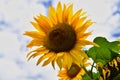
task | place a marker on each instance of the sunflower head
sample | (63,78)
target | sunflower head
(60,37)
(74,73)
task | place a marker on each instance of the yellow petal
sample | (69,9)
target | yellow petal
(70,13)
(34,34)
(62,73)
(44,57)
(31,56)
(85,26)
(63,14)
(52,15)
(100,78)
(83,35)
(36,50)
(82,53)
(42,25)
(78,45)
(38,53)
(58,59)
(46,21)
(80,23)
(59,13)
(41,52)
(35,42)
(118,59)
(104,74)
(76,55)
(67,60)
(74,23)
(75,16)
(115,64)
(49,60)
(60,54)
(59,62)
(37,26)
(86,42)
(53,64)
(83,13)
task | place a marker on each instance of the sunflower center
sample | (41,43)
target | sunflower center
(73,71)
(60,38)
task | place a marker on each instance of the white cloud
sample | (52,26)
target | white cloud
(9,70)
(9,42)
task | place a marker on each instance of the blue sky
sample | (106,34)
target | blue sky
(15,17)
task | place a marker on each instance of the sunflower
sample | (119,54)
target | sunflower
(60,37)
(74,73)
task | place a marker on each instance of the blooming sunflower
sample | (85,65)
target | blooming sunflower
(60,37)
(74,73)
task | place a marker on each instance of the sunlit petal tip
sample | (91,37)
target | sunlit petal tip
(30,53)
(24,33)
(53,64)
(36,26)
(46,63)
(96,44)
(83,13)
(35,18)
(71,5)
(32,23)
(59,5)
(38,62)
(31,56)
(92,23)
(79,11)
(70,8)
(29,46)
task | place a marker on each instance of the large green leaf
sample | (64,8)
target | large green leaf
(99,54)
(103,42)
(114,46)
(106,51)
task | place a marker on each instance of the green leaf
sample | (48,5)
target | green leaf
(101,54)
(113,55)
(96,75)
(92,53)
(86,77)
(101,41)
(106,51)
(114,46)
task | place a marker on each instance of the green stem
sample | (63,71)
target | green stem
(87,72)
(91,73)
